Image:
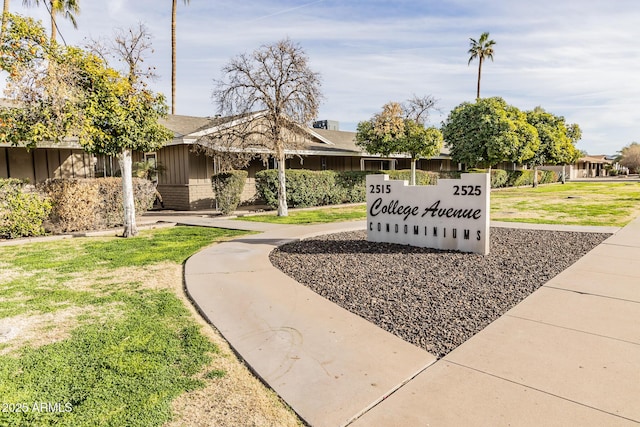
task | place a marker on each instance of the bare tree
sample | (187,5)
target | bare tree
(274,95)
(419,108)
(130,47)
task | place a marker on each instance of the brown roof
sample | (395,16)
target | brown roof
(598,158)
(184,125)
(342,139)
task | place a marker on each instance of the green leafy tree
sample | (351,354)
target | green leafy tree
(66,92)
(630,157)
(557,140)
(488,132)
(480,49)
(41,86)
(276,95)
(391,131)
(5,12)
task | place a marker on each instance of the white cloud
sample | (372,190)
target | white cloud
(576,59)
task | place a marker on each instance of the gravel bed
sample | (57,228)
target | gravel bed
(433,299)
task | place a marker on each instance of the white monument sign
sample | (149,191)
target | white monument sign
(453,215)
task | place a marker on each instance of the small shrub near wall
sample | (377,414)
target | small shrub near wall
(89,204)
(75,204)
(22,213)
(228,187)
(111,211)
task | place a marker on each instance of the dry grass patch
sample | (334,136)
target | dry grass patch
(35,330)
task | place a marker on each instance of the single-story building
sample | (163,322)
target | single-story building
(185,178)
(186,182)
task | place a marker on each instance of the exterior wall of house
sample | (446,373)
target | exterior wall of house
(200,189)
(589,170)
(40,164)
(185,183)
(173,182)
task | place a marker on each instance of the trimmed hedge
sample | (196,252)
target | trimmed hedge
(498,176)
(304,188)
(93,203)
(22,213)
(522,178)
(307,188)
(227,187)
(549,177)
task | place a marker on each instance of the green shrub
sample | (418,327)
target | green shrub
(228,187)
(304,188)
(267,186)
(353,184)
(519,178)
(318,188)
(22,213)
(548,177)
(498,176)
(93,203)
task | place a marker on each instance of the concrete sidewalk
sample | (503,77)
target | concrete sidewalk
(569,354)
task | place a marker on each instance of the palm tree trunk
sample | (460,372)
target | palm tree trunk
(5,11)
(173,57)
(479,74)
(54,28)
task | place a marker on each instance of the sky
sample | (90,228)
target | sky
(575,58)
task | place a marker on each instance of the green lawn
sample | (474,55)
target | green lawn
(580,203)
(91,338)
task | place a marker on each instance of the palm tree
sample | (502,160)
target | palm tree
(67,8)
(481,49)
(173,55)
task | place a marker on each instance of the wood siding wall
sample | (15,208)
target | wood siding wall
(39,164)
(185,183)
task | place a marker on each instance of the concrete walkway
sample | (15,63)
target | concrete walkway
(568,355)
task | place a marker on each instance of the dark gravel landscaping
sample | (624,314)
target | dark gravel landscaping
(433,299)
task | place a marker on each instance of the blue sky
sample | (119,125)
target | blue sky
(575,58)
